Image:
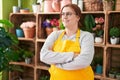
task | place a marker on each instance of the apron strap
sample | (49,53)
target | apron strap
(78,35)
(61,35)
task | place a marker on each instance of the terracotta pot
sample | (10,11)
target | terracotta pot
(29,32)
(49,30)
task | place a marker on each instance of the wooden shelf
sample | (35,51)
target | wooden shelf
(27,39)
(40,38)
(113,46)
(22,64)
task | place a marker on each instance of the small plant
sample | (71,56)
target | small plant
(44,78)
(27,54)
(99,33)
(114,32)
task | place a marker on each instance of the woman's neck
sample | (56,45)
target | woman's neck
(70,32)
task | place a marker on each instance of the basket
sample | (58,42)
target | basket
(93,5)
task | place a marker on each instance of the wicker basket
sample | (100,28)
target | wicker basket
(93,5)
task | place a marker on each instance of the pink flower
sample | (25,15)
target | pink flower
(54,22)
(99,20)
(28,24)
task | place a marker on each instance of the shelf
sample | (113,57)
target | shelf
(26,39)
(40,40)
(22,64)
(98,76)
(93,12)
(113,46)
(42,67)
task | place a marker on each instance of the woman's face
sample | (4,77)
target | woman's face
(69,17)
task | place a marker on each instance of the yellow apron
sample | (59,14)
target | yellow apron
(68,46)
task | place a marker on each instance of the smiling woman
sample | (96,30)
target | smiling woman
(64,48)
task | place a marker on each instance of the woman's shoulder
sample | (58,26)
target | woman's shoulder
(55,34)
(85,33)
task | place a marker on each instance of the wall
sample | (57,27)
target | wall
(6,6)
(0,9)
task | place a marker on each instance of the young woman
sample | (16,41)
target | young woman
(70,51)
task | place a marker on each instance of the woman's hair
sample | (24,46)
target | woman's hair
(76,9)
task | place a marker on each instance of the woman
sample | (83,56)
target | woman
(70,51)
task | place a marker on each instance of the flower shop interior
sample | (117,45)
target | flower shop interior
(20,46)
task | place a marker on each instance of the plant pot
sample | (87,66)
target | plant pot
(49,30)
(29,32)
(48,6)
(111,75)
(98,69)
(19,33)
(114,40)
(98,39)
(36,8)
(118,77)
(27,60)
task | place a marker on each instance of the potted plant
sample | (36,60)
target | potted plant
(8,44)
(89,23)
(114,35)
(28,29)
(118,76)
(44,78)
(99,36)
(112,73)
(50,25)
(19,32)
(109,5)
(99,63)
(27,55)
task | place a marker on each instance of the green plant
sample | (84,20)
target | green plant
(27,53)
(114,32)
(89,23)
(99,33)
(44,78)
(8,45)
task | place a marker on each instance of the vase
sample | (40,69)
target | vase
(48,6)
(36,8)
(65,2)
(56,6)
(80,4)
(48,30)
(19,33)
(98,69)
(29,32)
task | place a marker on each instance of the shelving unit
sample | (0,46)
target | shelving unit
(38,68)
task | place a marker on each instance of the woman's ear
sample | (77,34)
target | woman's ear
(78,18)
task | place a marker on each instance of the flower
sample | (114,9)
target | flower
(28,24)
(99,20)
(51,23)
